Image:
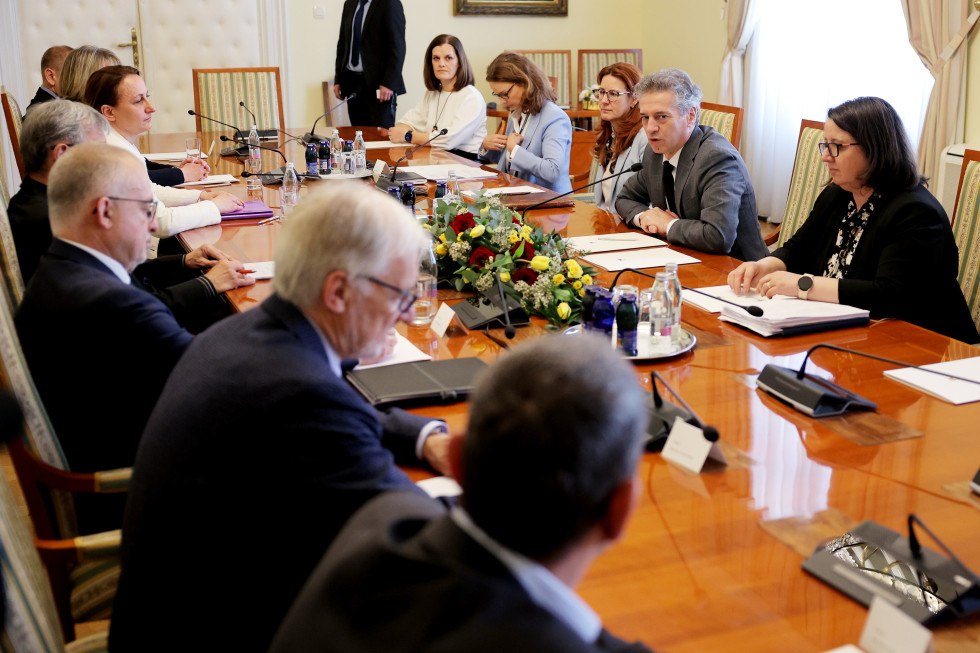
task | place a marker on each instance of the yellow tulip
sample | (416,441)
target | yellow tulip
(581,293)
(540,263)
(564,310)
(526,230)
(513,237)
(558,279)
(574,269)
(442,237)
(504,276)
(441,249)
(477,231)
(587,280)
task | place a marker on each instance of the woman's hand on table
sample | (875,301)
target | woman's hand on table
(194,169)
(397,133)
(748,275)
(226,202)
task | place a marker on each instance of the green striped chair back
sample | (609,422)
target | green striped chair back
(966,220)
(590,62)
(217,92)
(721,122)
(557,64)
(13,282)
(4,189)
(809,177)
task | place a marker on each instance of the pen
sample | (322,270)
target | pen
(211,149)
(275,217)
(244,271)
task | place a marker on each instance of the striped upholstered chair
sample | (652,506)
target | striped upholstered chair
(13,282)
(12,115)
(83,588)
(556,64)
(590,62)
(724,119)
(218,91)
(809,177)
(4,189)
(966,229)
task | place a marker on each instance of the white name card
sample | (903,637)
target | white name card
(687,447)
(889,630)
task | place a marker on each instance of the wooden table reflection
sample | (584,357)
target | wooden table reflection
(697,569)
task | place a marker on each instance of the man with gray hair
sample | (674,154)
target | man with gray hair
(549,482)
(48,132)
(694,189)
(257,438)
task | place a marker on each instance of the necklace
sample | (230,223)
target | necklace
(435,127)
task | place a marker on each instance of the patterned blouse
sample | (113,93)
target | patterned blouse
(848,237)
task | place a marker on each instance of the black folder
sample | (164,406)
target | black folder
(425,382)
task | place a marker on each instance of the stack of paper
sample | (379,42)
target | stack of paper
(639,258)
(212,180)
(441,172)
(612,242)
(784,316)
(954,391)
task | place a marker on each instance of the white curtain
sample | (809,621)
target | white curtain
(798,68)
(741,19)
(937,30)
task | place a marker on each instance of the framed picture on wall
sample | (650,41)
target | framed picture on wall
(510,7)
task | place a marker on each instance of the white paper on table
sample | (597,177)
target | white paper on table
(612,242)
(724,292)
(639,258)
(262,269)
(440,486)
(212,180)
(951,390)
(441,172)
(502,190)
(382,145)
(170,156)
(404,352)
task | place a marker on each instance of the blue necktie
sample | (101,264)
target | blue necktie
(355,49)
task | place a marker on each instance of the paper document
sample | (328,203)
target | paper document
(713,305)
(441,172)
(170,156)
(404,352)
(440,486)
(262,269)
(502,190)
(612,242)
(382,145)
(212,180)
(639,258)
(784,315)
(952,390)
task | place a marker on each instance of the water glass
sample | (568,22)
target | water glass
(192,147)
(424,309)
(287,200)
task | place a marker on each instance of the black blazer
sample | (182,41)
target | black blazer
(40,97)
(402,577)
(382,46)
(905,265)
(164,174)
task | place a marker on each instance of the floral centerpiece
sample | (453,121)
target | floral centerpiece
(475,241)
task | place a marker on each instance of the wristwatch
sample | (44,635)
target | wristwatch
(804,285)
(408,136)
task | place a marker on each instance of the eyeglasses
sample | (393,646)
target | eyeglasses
(407,300)
(600,93)
(505,94)
(149,206)
(833,148)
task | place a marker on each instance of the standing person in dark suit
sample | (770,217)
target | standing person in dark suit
(549,482)
(98,348)
(257,437)
(370,54)
(51,62)
(694,188)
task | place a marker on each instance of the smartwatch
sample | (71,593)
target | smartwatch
(804,285)
(408,136)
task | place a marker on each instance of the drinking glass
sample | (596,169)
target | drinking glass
(192,146)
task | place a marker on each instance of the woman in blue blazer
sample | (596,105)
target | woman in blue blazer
(538,141)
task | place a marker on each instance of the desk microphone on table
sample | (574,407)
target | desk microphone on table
(636,167)
(663,413)
(261,147)
(382,184)
(310,136)
(231,151)
(751,310)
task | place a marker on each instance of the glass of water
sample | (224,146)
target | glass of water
(192,147)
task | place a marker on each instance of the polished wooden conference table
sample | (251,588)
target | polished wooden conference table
(712,561)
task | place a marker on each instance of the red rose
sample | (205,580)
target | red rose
(527,275)
(516,220)
(528,250)
(462,222)
(480,256)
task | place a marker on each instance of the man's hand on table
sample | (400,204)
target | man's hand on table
(227,275)
(435,451)
(655,221)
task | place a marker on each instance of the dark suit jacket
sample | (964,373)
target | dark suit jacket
(715,199)
(402,577)
(99,351)
(163,174)
(40,97)
(905,264)
(382,45)
(254,458)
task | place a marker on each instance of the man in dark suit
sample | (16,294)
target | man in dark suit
(694,188)
(98,348)
(370,54)
(50,131)
(549,481)
(51,62)
(258,450)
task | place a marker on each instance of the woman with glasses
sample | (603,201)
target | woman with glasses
(620,142)
(120,95)
(538,141)
(876,237)
(451,103)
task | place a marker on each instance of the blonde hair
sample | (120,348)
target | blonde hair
(79,66)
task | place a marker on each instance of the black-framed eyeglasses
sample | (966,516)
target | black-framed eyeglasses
(600,93)
(833,148)
(505,94)
(407,299)
(150,206)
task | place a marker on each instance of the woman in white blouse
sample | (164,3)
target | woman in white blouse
(451,103)
(119,94)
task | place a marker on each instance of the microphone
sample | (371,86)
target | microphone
(261,147)
(311,136)
(230,151)
(291,137)
(255,121)
(509,329)
(663,413)
(394,171)
(751,310)
(636,167)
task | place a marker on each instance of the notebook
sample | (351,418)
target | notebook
(253,210)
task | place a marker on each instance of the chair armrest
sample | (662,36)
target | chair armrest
(85,548)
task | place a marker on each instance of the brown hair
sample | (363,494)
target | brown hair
(513,68)
(54,57)
(79,66)
(103,86)
(605,151)
(464,73)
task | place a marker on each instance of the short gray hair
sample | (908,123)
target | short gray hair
(83,173)
(687,94)
(555,426)
(347,226)
(54,122)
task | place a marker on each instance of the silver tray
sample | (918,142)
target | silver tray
(687,342)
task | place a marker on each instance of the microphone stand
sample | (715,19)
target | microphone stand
(310,136)
(751,310)
(382,184)
(636,167)
(231,151)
